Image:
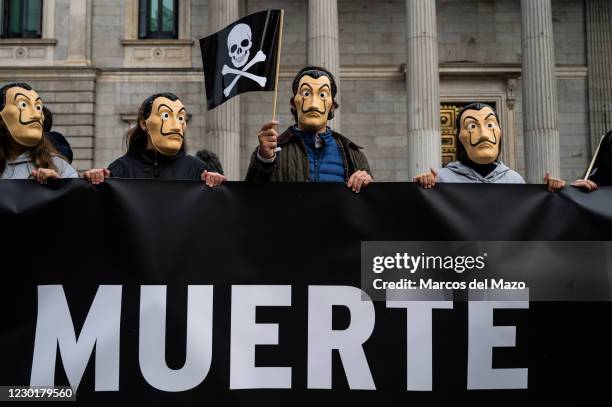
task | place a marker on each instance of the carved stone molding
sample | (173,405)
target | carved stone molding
(157,53)
(511,87)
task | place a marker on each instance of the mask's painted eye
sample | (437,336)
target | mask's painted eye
(306,93)
(181,119)
(165,116)
(491,125)
(471,126)
(22,105)
(323,95)
(39,108)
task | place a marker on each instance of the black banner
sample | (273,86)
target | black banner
(157,293)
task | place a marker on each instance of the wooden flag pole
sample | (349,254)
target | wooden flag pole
(278,56)
(586,176)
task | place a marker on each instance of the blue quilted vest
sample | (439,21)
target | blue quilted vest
(324,157)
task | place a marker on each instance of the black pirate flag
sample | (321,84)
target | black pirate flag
(242,57)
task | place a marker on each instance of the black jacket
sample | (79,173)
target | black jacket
(151,164)
(602,176)
(291,163)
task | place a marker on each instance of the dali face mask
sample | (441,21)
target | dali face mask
(166,125)
(313,102)
(480,135)
(23,116)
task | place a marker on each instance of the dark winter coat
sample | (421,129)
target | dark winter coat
(291,163)
(151,164)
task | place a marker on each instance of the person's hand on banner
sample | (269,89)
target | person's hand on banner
(268,139)
(97,175)
(359,179)
(585,184)
(43,174)
(213,179)
(427,179)
(553,184)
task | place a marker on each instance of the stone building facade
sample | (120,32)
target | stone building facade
(404,67)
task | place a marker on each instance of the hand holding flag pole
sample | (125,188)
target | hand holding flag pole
(586,176)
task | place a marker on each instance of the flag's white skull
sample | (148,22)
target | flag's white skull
(239,44)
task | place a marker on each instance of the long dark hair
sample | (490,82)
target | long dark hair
(136,138)
(461,153)
(41,154)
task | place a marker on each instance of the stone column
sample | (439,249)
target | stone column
(539,91)
(322,43)
(422,87)
(223,122)
(78,35)
(599,57)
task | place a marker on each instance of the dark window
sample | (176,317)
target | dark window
(21,18)
(158,19)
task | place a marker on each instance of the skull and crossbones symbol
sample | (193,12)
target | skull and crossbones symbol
(239,49)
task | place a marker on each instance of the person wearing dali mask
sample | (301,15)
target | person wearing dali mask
(156,146)
(309,150)
(478,141)
(24,152)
